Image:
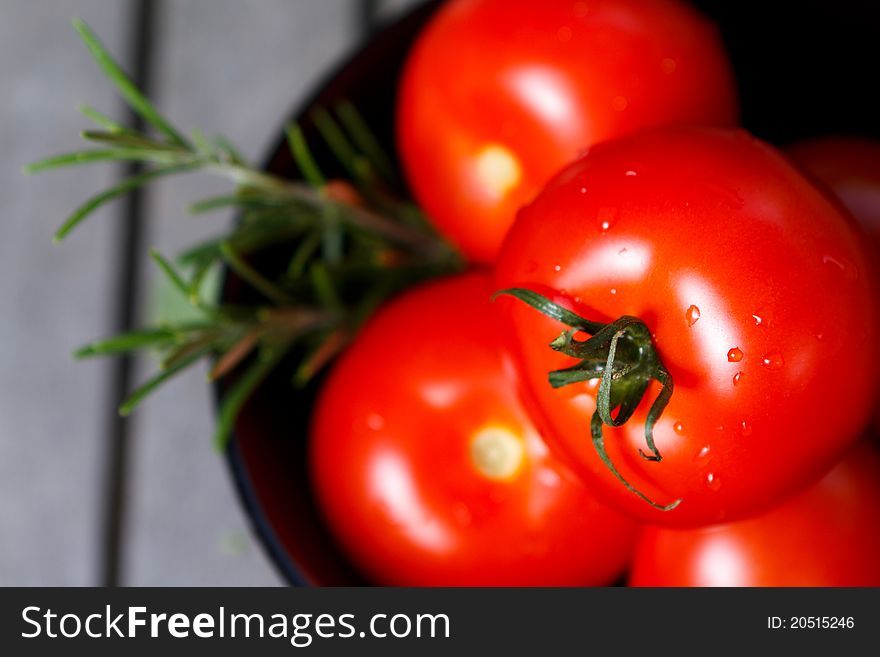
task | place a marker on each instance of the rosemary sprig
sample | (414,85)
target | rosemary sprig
(338,249)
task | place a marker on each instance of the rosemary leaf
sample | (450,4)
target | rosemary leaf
(332,239)
(235,398)
(200,254)
(126,342)
(153,383)
(133,141)
(201,143)
(204,284)
(320,356)
(102,120)
(124,187)
(365,141)
(89,156)
(252,276)
(322,284)
(230,152)
(338,142)
(215,203)
(171,273)
(183,352)
(235,354)
(302,156)
(242,199)
(127,89)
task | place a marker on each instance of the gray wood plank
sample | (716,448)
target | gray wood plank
(390,9)
(235,68)
(52,298)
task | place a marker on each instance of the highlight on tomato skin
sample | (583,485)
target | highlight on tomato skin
(428,469)
(828,535)
(756,289)
(496,95)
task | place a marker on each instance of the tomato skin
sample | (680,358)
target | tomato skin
(850,168)
(393,469)
(755,287)
(828,535)
(497,95)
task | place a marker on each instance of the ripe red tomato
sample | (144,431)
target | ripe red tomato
(850,167)
(754,287)
(497,95)
(428,469)
(826,536)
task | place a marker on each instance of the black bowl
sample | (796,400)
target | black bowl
(804,70)
(267,452)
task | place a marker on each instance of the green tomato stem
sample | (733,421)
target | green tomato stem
(622,355)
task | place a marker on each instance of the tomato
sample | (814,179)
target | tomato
(850,167)
(826,536)
(754,293)
(428,469)
(497,95)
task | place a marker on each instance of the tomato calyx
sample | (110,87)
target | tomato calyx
(622,355)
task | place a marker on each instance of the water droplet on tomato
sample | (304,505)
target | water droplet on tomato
(773,361)
(557,267)
(849,271)
(375,421)
(820,337)
(745,428)
(713,481)
(583,190)
(735,355)
(692,315)
(704,452)
(763,317)
(678,427)
(613,290)
(606,218)
(630,173)
(831,260)
(737,378)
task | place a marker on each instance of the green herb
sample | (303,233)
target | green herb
(344,247)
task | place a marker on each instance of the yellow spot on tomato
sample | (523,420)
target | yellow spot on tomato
(497,453)
(498,171)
